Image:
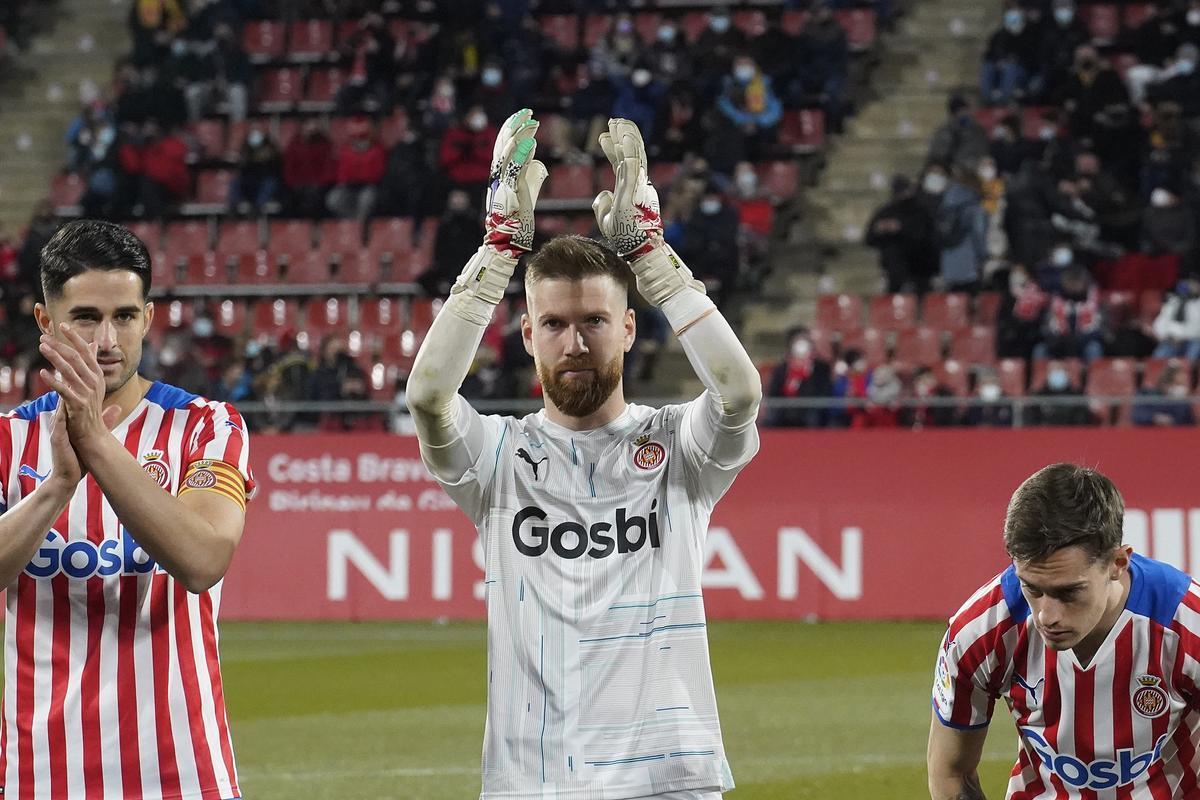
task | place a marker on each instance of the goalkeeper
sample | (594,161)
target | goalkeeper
(593,512)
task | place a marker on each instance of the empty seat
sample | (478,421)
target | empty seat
(67,190)
(663,174)
(861,28)
(209,138)
(946,311)
(149,232)
(1150,305)
(1135,14)
(212,186)
(324,315)
(240,237)
(1120,306)
(341,236)
(751,22)
(893,312)
(571,182)
(187,239)
(380,316)
(323,86)
(279,89)
(263,40)
(291,236)
(919,346)
(1103,21)
(595,28)
(975,346)
(278,314)
(390,247)
(230,317)
(779,179)
(1153,368)
(1011,372)
(803,130)
(1111,377)
(954,376)
(310,39)
(987,307)
(840,313)
(562,30)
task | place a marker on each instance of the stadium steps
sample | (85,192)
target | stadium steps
(41,94)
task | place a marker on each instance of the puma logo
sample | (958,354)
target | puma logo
(1031,689)
(523,454)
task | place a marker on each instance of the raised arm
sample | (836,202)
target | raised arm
(721,423)
(447,427)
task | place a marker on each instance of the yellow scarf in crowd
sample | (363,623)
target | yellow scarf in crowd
(756,95)
(152,13)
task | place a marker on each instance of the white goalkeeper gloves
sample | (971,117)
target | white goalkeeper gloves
(630,217)
(516,179)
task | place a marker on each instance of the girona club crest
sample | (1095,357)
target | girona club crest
(156,468)
(1149,698)
(650,456)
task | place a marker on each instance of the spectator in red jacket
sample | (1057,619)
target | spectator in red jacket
(159,164)
(309,169)
(466,152)
(361,164)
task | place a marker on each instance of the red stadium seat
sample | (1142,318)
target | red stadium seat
(693,24)
(254,269)
(919,346)
(839,313)
(310,39)
(562,30)
(1119,306)
(595,28)
(187,239)
(341,236)
(1135,14)
(1032,118)
(310,267)
(1037,380)
(893,312)
(954,376)
(393,127)
(209,138)
(212,186)
(987,307)
(1112,377)
(237,135)
(323,86)
(202,271)
(1153,368)
(67,190)
(381,316)
(646,23)
(779,179)
(822,342)
(323,315)
(1103,22)
(231,317)
(272,315)
(287,127)
(975,346)
(1151,304)
(263,40)
(663,174)
(803,130)
(149,232)
(293,237)
(860,25)
(402,29)
(391,245)
(241,237)
(571,182)
(946,311)
(793,21)
(1011,372)
(871,342)
(751,22)
(279,89)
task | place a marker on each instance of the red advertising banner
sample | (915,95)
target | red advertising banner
(822,524)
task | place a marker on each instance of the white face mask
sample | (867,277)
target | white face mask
(1061,257)
(744,73)
(710,207)
(1160,198)
(1016,283)
(477,122)
(747,182)
(1177,390)
(202,327)
(1193,16)
(254,138)
(491,77)
(1014,21)
(1058,380)
(1064,16)
(666,34)
(640,77)
(801,348)
(989,392)
(987,172)
(719,24)
(1047,133)
(934,183)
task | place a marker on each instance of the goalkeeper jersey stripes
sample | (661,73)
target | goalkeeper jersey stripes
(112,681)
(1126,727)
(599,683)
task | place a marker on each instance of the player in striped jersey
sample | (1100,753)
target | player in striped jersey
(593,512)
(1094,648)
(123,501)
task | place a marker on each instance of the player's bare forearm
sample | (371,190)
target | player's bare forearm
(966,787)
(23,527)
(195,550)
(952,760)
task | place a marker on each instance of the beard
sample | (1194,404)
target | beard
(581,396)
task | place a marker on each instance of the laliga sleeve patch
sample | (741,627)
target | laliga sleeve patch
(215,476)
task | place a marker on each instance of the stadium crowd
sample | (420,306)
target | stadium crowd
(1071,197)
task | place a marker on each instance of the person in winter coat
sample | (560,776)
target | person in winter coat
(1178,323)
(361,164)
(960,229)
(902,232)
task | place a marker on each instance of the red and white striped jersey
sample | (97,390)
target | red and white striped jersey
(112,684)
(1124,727)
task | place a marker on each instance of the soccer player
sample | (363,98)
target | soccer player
(123,501)
(592,512)
(1094,648)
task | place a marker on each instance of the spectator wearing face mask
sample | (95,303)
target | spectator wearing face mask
(1091,88)
(1074,325)
(361,163)
(990,410)
(926,387)
(1175,383)
(457,239)
(749,104)
(670,58)
(465,155)
(716,48)
(1169,227)
(1179,83)
(1008,148)
(960,140)
(494,93)
(960,229)
(638,98)
(882,409)
(257,181)
(1063,33)
(902,231)
(1058,385)
(1010,61)
(1177,325)
(800,374)
(309,170)
(223,73)
(710,243)
(825,62)
(370,52)
(615,55)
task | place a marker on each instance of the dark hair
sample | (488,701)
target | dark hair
(572,257)
(1063,505)
(87,244)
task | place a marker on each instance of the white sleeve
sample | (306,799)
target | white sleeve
(718,434)
(455,439)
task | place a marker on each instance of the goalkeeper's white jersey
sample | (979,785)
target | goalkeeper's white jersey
(599,683)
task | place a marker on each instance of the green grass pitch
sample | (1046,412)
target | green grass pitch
(395,710)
